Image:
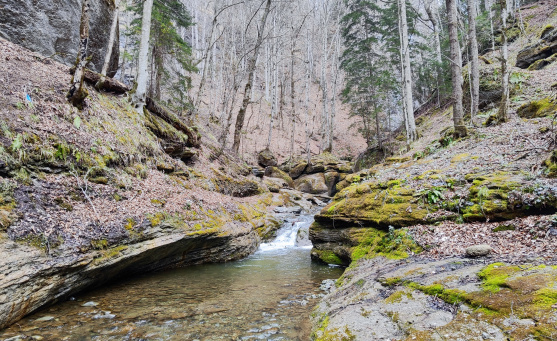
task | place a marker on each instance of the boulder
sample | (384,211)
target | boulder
(275,172)
(313,184)
(331,180)
(536,109)
(298,169)
(478,250)
(545,48)
(275,184)
(265,158)
(51,28)
(258,171)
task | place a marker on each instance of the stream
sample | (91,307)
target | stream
(267,296)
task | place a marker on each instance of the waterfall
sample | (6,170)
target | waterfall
(293,234)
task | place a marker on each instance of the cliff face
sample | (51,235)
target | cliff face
(51,28)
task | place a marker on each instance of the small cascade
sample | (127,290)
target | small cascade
(293,234)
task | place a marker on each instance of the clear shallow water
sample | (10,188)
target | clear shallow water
(267,296)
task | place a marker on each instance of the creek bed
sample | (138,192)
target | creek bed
(267,296)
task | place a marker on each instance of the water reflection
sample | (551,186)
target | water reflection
(267,296)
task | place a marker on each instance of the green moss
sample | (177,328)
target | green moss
(329,257)
(99,244)
(545,30)
(504,227)
(376,205)
(109,254)
(63,204)
(394,244)
(460,157)
(158,202)
(156,219)
(535,109)
(130,224)
(397,296)
(495,275)
(99,180)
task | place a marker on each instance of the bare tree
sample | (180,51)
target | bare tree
(474,61)
(406,74)
(77,93)
(456,70)
(503,113)
(140,94)
(111,39)
(251,74)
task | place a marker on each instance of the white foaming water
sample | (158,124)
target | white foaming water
(287,235)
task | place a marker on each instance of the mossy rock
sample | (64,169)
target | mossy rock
(542,63)
(505,196)
(235,187)
(537,109)
(392,244)
(311,183)
(546,30)
(266,158)
(375,205)
(397,159)
(275,172)
(298,169)
(551,165)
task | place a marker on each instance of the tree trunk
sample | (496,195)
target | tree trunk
(251,72)
(474,61)
(456,70)
(503,113)
(138,99)
(407,72)
(111,39)
(77,93)
(434,22)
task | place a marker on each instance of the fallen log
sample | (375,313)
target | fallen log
(109,84)
(194,138)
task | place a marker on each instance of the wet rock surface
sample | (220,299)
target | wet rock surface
(33,279)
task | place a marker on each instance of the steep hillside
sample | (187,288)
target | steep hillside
(87,196)
(454,237)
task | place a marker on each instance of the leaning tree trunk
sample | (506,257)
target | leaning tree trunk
(77,93)
(406,72)
(474,61)
(139,96)
(111,39)
(251,74)
(503,113)
(456,70)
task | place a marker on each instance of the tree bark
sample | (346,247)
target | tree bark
(139,96)
(251,72)
(406,73)
(77,93)
(456,70)
(503,113)
(111,39)
(431,13)
(474,61)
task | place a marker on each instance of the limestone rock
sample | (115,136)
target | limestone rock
(331,180)
(31,280)
(297,170)
(51,28)
(275,172)
(545,48)
(265,158)
(478,250)
(433,297)
(313,184)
